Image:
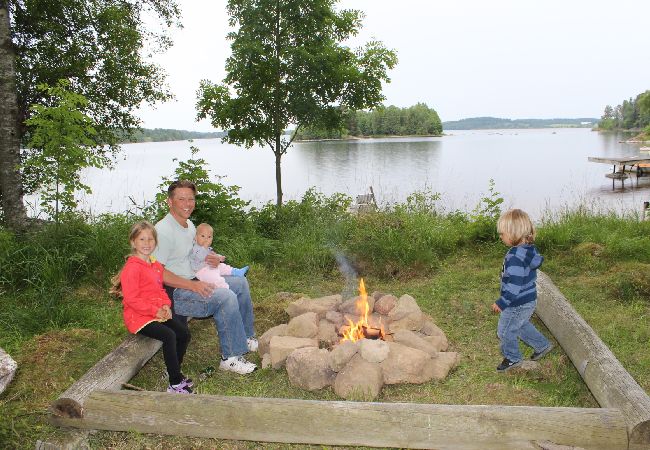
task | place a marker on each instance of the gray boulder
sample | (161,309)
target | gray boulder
(308,368)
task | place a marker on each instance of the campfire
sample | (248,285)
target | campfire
(362,330)
(357,345)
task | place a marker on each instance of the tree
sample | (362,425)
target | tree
(288,67)
(101,47)
(62,139)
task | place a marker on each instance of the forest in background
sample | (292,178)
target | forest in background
(417,120)
(164,134)
(631,114)
(496,123)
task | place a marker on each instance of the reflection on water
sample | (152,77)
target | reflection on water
(536,170)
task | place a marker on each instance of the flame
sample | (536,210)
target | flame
(355,332)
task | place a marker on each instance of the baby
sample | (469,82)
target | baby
(203,271)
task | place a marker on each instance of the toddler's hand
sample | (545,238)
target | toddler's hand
(496,308)
(240,272)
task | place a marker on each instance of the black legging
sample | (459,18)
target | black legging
(175,337)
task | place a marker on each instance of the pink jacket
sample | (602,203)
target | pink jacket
(143,292)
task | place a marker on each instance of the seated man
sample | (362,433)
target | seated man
(231,309)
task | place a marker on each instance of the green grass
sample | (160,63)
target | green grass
(57,320)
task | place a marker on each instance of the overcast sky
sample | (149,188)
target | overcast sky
(464,58)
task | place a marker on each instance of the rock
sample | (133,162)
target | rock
(406,315)
(266,361)
(265,339)
(374,351)
(7,369)
(282,346)
(353,305)
(443,363)
(303,326)
(405,305)
(327,332)
(335,317)
(440,343)
(430,328)
(385,304)
(406,365)
(341,354)
(376,320)
(377,295)
(318,305)
(308,368)
(359,380)
(413,340)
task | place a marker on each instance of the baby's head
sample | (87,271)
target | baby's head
(204,235)
(515,228)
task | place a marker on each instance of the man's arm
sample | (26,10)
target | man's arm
(201,288)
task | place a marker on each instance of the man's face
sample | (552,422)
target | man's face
(181,204)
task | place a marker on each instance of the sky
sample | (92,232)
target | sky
(465,58)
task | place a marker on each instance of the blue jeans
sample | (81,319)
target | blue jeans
(231,309)
(515,323)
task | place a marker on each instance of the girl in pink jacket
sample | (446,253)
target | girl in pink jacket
(147,308)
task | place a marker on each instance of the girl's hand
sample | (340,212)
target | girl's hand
(161,314)
(496,308)
(202,288)
(168,312)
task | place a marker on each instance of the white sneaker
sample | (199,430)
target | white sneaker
(237,364)
(252,344)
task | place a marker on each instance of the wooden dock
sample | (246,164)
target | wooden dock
(620,166)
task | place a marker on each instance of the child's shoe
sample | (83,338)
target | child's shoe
(239,272)
(188,381)
(539,355)
(506,365)
(180,388)
(252,344)
(237,364)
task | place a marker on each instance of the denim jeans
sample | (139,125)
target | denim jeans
(515,323)
(231,309)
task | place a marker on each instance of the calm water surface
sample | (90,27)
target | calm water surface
(537,170)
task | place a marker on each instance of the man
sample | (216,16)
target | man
(231,309)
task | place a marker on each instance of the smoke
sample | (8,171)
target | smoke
(351,276)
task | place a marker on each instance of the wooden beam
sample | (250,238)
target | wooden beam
(118,367)
(351,423)
(609,382)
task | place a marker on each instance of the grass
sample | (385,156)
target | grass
(57,330)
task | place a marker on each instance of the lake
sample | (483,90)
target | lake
(538,170)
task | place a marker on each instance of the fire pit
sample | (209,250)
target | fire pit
(357,345)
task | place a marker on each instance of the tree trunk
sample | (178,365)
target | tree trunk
(278,171)
(11,186)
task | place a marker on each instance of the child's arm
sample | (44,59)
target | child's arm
(511,281)
(130,279)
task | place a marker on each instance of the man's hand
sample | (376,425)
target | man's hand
(202,288)
(496,308)
(214,260)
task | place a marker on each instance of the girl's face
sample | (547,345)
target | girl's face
(144,244)
(204,236)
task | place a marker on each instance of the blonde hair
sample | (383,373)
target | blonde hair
(516,227)
(205,225)
(136,229)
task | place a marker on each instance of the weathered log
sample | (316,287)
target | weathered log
(407,425)
(118,367)
(607,379)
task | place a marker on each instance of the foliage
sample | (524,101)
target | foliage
(486,214)
(216,203)
(61,144)
(288,67)
(632,114)
(102,47)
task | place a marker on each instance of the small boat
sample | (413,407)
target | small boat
(644,149)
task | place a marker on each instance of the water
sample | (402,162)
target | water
(537,170)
